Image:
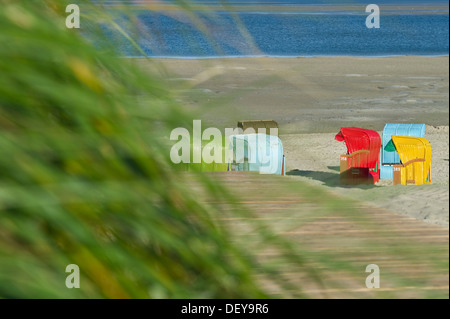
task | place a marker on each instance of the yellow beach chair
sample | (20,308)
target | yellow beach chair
(415,156)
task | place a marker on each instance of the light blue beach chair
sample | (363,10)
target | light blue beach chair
(389,158)
(257,152)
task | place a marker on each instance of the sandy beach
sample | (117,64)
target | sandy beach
(311,98)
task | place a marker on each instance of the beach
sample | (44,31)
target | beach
(120,181)
(311,98)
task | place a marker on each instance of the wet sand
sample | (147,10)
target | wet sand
(314,95)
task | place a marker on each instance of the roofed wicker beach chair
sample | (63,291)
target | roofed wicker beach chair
(361,163)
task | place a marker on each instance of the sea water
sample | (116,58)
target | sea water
(283,33)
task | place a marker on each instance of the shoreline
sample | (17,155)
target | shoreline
(434,8)
(278,56)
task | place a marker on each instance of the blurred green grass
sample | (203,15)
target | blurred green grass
(85,178)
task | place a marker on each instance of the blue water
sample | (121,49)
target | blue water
(283,34)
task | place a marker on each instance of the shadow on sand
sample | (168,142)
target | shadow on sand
(330,179)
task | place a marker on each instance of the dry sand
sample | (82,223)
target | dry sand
(311,98)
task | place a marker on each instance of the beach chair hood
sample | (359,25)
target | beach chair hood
(357,139)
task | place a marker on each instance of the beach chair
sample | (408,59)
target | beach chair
(270,126)
(390,158)
(360,164)
(415,157)
(257,152)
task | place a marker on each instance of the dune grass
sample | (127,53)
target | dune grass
(85,178)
